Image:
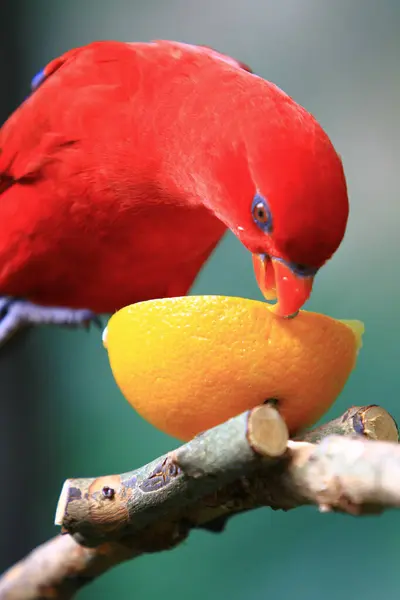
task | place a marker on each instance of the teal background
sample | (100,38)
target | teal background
(63,415)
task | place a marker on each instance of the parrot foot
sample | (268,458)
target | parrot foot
(16,314)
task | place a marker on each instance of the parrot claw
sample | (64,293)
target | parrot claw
(16,314)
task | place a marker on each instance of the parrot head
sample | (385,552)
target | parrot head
(293,214)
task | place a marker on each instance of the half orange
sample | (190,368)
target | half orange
(187,364)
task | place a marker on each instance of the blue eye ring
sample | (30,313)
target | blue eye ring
(261,213)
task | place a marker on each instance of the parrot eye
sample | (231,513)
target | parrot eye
(261,213)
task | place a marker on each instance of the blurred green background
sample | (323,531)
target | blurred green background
(62,414)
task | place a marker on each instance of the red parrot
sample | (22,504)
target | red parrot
(122,170)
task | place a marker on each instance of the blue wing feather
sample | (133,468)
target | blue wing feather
(38,80)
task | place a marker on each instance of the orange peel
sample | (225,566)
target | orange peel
(187,364)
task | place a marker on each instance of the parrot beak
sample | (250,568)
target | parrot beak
(277,281)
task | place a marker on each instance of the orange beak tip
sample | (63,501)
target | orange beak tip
(293,289)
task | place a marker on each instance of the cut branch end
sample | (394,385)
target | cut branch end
(267,432)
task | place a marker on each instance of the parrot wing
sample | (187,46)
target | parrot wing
(28,140)
(52,67)
(56,63)
(50,151)
(31,142)
(207,50)
(21,162)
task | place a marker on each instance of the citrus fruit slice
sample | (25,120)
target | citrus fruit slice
(187,364)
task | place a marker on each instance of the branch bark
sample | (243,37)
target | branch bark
(245,463)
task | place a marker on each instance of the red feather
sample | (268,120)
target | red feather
(121,172)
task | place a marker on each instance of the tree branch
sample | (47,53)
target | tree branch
(372,422)
(242,464)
